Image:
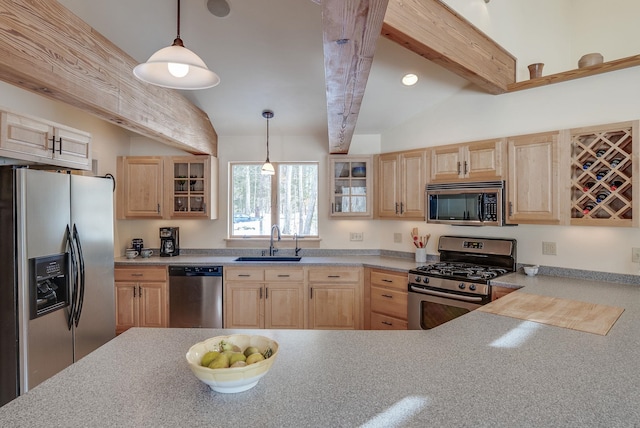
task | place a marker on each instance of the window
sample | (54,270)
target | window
(289,199)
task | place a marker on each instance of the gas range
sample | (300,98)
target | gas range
(466,266)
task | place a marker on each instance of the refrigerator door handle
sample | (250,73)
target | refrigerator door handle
(72,278)
(78,311)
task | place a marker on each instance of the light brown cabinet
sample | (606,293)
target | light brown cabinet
(37,140)
(498,292)
(264,298)
(604,176)
(401,179)
(141,297)
(533,183)
(385,300)
(155,187)
(335,298)
(475,161)
(350,186)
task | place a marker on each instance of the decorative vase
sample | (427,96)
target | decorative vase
(535,70)
(421,255)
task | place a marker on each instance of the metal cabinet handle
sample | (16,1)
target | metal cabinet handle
(396,208)
(465,168)
(137,274)
(281,275)
(139,291)
(401,207)
(387,323)
(510,209)
(332,208)
(134,291)
(387,280)
(244,275)
(388,296)
(266,292)
(333,276)
(260,293)
(310,292)
(458,168)
(158,208)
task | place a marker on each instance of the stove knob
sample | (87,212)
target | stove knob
(417,279)
(472,287)
(461,286)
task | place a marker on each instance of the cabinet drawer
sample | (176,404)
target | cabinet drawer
(334,275)
(392,280)
(389,302)
(141,274)
(284,275)
(383,322)
(243,274)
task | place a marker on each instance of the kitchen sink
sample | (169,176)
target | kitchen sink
(268,259)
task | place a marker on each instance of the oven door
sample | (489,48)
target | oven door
(426,311)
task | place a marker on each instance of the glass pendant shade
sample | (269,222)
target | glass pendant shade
(267,168)
(176,67)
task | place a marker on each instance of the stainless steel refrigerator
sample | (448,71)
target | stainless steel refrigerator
(56,273)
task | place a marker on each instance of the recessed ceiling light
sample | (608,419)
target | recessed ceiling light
(409,79)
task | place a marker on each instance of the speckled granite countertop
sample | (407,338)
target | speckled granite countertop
(390,263)
(479,370)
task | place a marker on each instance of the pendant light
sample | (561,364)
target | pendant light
(267,168)
(176,67)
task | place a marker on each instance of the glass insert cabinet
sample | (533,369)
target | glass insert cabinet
(350,186)
(189,186)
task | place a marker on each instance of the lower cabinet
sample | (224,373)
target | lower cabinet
(335,298)
(264,298)
(385,300)
(141,297)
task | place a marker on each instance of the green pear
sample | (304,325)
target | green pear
(221,362)
(208,357)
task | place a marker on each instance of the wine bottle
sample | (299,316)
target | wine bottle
(601,196)
(601,174)
(615,184)
(600,152)
(587,208)
(587,165)
(615,162)
(588,185)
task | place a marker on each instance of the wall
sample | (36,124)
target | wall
(473,115)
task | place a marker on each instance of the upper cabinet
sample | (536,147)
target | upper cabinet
(476,161)
(37,140)
(188,184)
(153,187)
(533,181)
(604,176)
(350,186)
(401,180)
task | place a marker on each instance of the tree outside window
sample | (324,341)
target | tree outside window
(289,199)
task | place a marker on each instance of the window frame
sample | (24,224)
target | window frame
(275,199)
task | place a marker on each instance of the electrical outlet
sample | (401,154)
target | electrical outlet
(355,236)
(397,238)
(549,248)
(635,255)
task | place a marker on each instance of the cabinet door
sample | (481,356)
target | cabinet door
(389,302)
(413,178)
(72,148)
(152,304)
(25,138)
(388,186)
(334,307)
(284,305)
(350,186)
(533,179)
(483,160)
(140,191)
(446,163)
(126,306)
(384,322)
(244,306)
(187,184)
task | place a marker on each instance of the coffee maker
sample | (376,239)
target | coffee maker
(169,241)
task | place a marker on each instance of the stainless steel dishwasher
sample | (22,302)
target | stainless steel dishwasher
(195,296)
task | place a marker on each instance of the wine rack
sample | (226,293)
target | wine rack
(602,178)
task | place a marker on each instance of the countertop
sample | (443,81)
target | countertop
(382,262)
(479,370)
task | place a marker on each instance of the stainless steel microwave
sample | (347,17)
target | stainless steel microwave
(467,204)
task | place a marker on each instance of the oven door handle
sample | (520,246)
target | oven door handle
(448,295)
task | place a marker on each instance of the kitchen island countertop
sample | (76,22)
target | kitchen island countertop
(477,370)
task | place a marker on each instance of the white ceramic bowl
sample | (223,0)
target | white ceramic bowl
(531,270)
(232,379)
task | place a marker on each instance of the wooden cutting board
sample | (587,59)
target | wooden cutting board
(582,316)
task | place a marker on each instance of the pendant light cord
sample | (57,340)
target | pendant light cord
(267,139)
(178,40)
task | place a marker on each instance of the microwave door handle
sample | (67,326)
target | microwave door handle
(480,207)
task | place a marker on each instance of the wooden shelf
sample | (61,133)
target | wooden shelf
(605,67)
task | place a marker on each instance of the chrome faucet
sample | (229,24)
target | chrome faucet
(297,250)
(272,249)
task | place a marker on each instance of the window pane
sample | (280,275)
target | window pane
(251,193)
(298,199)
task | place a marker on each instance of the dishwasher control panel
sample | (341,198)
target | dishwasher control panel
(195,270)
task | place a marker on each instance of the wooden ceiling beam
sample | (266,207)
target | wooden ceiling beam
(433,30)
(47,49)
(350,32)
